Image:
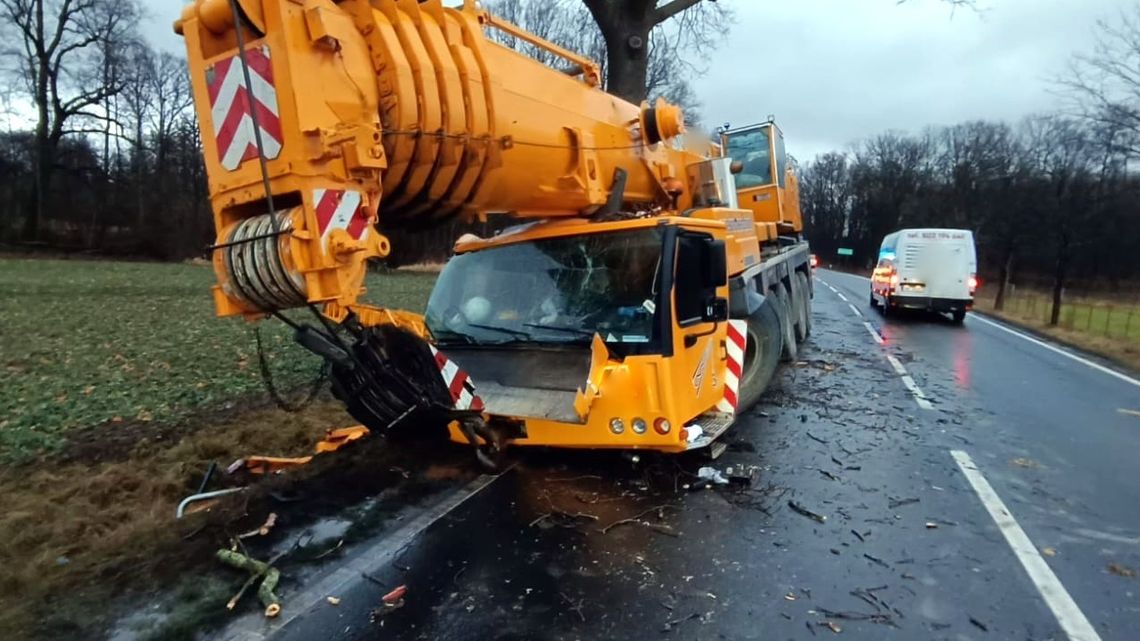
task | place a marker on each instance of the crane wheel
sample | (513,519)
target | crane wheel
(787,322)
(761,355)
(805,302)
(799,307)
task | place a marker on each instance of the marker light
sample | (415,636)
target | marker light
(972,282)
(662,426)
(616,426)
(639,426)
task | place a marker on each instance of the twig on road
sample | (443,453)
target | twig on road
(816,438)
(799,509)
(635,519)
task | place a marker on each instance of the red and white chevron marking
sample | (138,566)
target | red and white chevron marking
(458,383)
(735,345)
(339,209)
(231,107)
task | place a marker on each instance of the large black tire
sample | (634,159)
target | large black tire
(874,301)
(787,323)
(805,301)
(958,316)
(761,354)
(799,310)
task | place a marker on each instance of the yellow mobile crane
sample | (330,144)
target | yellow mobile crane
(642,302)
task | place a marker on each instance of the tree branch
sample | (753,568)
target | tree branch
(663,13)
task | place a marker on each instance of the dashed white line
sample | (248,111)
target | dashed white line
(908,381)
(841,296)
(916,392)
(1096,366)
(871,330)
(1068,614)
(897,364)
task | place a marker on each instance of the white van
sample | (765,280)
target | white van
(928,269)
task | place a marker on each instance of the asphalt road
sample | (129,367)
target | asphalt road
(915,480)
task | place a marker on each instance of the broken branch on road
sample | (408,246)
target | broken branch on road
(799,509)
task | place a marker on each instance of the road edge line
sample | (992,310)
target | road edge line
(1053,348)
(1064,608)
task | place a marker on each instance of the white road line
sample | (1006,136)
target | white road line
(855,310)
(1096,366)
(916,392)
(1068,615)
(897,364)
(841,296)
(873,333)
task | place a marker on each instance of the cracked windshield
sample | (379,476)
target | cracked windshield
(559,290)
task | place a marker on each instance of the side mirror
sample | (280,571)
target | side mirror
(716,310)
(716,264)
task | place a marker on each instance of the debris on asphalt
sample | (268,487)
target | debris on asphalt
(858,536)
(1121,570)
(333,600)
(669,624)
(395,598)
(741,475)
(1024,462)
(931,525)
(656,527)
(876,560)
(1049,551)
(816,438)
(831,626)
(901,502)
(268,575)
(713,475)
(978,624)
(264,529)
(799,509)
(828,474)
(791,596)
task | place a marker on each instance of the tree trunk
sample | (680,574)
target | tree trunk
(1059,279)
(628,62)
(1004,275)
(625,26)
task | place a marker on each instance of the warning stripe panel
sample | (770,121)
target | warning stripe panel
(459,384)
(737,341)
(234,105)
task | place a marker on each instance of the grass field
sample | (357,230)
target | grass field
(1105,325)
(115,379)
(86,343)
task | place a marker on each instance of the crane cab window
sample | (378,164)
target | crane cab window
(752,147)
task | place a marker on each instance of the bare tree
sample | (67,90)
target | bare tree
(627,27)
(1106,82)
(61,48)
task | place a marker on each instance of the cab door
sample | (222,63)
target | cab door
(700,312)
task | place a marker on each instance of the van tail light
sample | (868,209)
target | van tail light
(894,280)
(973,283)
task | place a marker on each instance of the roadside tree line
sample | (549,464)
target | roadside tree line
(1053,196)
(101,151)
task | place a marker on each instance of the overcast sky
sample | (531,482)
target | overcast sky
(833,71)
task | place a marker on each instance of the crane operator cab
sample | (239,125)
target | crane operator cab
(766,184)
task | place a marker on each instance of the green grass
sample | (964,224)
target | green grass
(1105,325)
(87,343)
